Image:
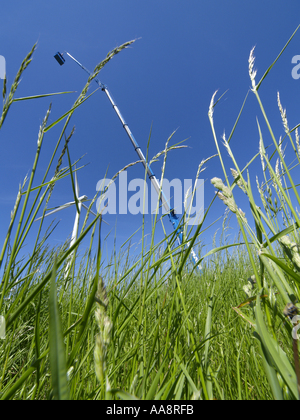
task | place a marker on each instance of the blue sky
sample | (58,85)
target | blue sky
(185,51)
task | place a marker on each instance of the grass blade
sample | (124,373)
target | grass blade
(270,67)
(17,385)
(58,364)
(279,357)
(42,96)
(68,112)
(269,369)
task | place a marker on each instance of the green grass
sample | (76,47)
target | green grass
(157,350)
(150,327)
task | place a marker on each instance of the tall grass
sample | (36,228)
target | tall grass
(150,327)
(274,240)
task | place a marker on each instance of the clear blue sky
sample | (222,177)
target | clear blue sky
(187,50)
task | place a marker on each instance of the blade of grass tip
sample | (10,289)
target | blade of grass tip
(215,103)
(42,96)
(69,112)
(268,70)
(238,117)
(58,365)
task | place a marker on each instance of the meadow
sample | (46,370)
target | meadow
(151,327)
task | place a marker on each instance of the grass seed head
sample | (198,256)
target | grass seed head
(283,114)
(217,183)
(252,72)
(297,141)
(239,182)
(211,105)
(261,152)
(292,248)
